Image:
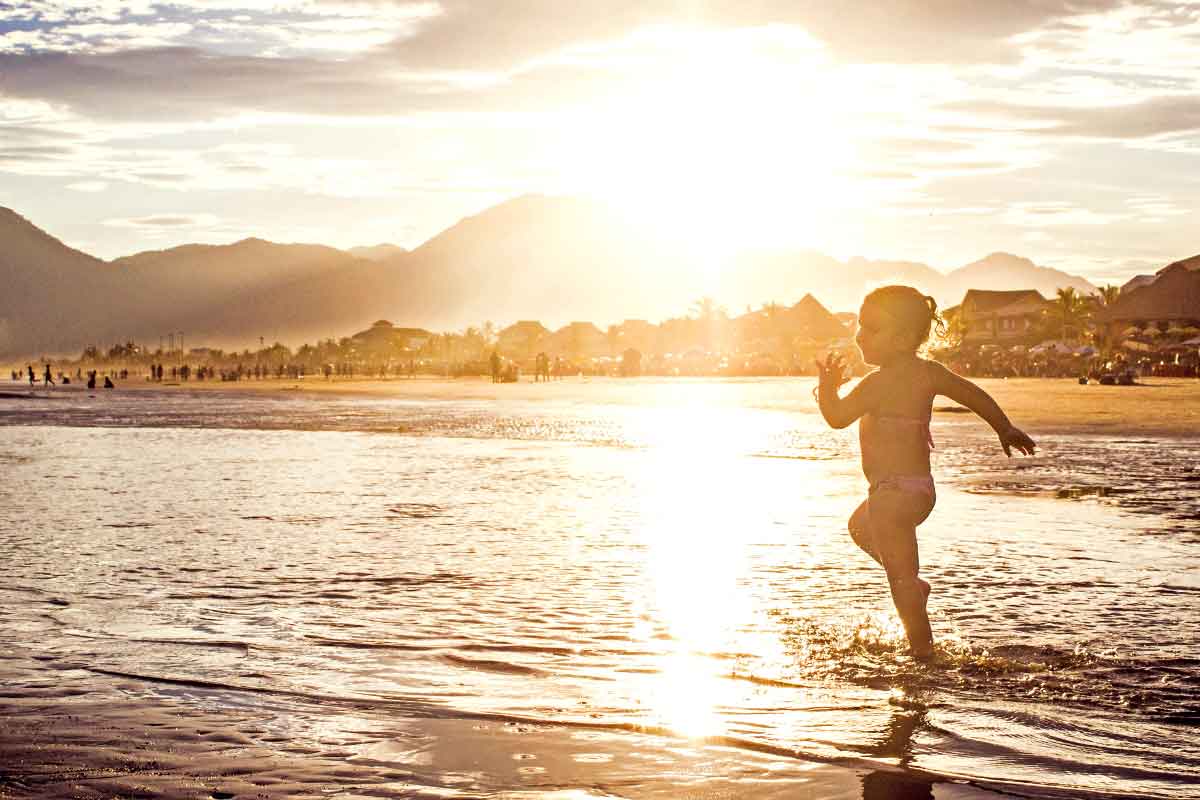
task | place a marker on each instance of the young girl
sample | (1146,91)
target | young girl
(895,404)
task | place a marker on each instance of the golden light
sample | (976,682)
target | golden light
(696,562)
(724,140)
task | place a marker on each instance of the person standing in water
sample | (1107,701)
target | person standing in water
(894,405)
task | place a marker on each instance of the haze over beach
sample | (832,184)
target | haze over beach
(550,259)
(551,401)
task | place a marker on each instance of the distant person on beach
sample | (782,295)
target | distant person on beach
(494,361)
(47,380)
(32,377)
(895,405)
(108,384)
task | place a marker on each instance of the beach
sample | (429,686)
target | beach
(1165,406)
(586,588)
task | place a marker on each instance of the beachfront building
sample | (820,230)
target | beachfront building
(522,339)
(809,321)
(638,334)
(1170,301)
(385,339)
(577,340)
(993,317)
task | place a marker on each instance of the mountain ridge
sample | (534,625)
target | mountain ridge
(529,257)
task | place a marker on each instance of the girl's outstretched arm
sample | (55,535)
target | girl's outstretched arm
(966,393)
(841,411)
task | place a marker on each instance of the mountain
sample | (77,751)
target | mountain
(537,257)
(1002,271)
(533,257)
(46,290)
(379,252)
(842,285)
(209,277)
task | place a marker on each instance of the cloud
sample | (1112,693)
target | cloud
(88,186)
(502,33)
(1034,215)
(189,83)
(160,221)
(17,153)
(900,31)
(1155,116)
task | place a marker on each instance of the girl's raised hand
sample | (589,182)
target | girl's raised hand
(832,371)
(1015,437)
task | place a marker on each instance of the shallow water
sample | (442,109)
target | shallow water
(661,556)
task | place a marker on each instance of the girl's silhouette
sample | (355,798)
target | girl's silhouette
(894,404)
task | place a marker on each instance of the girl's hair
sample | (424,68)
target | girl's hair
(916,312)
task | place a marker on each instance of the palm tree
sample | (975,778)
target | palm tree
(709,315)
(956,329)
(1071,312)
(613,336)
(1105,342)
(775,319)
(705,309)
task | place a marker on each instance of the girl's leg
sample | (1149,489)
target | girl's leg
(895,540)
(860,530)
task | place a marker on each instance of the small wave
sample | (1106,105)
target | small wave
(488,665)
(416,510)
(520,648)
(354,644)
(1077,492)
(873,653)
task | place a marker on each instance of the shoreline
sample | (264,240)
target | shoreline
(89,735)
(1168,407)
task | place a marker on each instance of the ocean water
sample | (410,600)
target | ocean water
(663,558)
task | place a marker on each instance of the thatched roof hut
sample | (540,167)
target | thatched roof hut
(1173,296)
(808,319)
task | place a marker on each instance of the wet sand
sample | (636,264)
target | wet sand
(1154,407)
(86,737)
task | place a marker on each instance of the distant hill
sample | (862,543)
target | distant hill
(377,252)
(1002,271)
(842,285)
(46,290)
(212,278)
(532,257)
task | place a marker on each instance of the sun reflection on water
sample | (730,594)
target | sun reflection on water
(697,568)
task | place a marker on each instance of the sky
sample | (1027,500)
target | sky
(924,130)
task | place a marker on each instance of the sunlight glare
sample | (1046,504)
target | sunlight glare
(696,563)
(723,145)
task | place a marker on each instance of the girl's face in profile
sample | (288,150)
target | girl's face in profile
(878,337)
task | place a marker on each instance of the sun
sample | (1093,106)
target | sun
(723,145)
